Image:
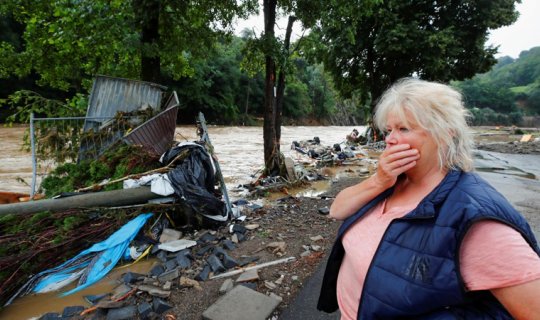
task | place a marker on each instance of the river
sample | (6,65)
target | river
(239,151)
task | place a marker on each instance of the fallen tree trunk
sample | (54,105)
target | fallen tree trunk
(113,198)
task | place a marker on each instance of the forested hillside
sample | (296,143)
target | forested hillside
(508,92)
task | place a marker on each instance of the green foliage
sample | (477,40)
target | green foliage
(367,45)
(114,164)
(512,88)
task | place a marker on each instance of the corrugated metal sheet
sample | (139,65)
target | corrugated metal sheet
(110,95)
(157,134)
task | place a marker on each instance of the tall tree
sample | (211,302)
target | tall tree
(68,42)
(367,45)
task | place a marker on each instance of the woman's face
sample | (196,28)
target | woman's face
(409,132)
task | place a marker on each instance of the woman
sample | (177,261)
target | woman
(424,237)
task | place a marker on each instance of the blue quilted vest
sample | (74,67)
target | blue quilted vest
(415,272)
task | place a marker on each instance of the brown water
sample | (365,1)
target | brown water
(240,154)
(239,150)
(33,306)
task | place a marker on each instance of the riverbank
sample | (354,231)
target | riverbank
(296,226)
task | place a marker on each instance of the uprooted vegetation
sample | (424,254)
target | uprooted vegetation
(114,164)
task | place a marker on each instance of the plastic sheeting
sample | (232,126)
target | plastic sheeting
(193,180)
(89,266)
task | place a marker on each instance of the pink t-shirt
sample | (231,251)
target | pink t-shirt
(492,255)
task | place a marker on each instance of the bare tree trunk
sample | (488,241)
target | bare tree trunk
(148,17)
(271,148)
(281,79)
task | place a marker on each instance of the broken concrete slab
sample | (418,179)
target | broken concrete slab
(169,275)
(177,245)
(169,235)
(255,306)
(154,291)
(249,275)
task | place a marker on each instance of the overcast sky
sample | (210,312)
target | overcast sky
(522,35)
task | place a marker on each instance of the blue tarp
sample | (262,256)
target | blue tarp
(90,265)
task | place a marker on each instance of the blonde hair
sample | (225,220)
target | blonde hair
(439,110)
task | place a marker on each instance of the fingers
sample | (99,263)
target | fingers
(394,161)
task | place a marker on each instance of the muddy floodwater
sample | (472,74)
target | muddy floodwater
(239,150)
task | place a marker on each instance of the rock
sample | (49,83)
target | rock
(316,248)
(254,306)
(207,237)
(234,238)
(249,275)
(250,285)
(154,291)
(127,312)
(144,310)
(324,211)
(240,236)
(131,277)
(270,285)
(72,311)
(162,256)
(190,283)
(229,262)
(277,246)
(305,254)
(183,261)
(228,244)
(204,274)
(93,299)
(237,228)
(226,286)
(246,260)
(215,264)
(51,316)
(252,226)
(160,306)
(316,238)
(167,286)
(169,235)
(120,291)
(171,264)
(157,270)
(169,275)
(204,250)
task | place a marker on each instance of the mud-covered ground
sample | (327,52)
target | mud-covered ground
(294,221)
